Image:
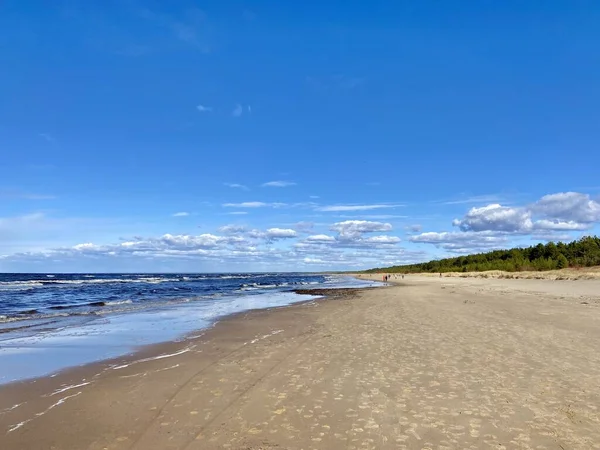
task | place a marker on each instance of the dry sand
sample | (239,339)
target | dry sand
(583,273)
(445,363)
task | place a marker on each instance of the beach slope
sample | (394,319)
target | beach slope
(428,363)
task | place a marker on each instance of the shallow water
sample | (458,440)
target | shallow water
(53,339)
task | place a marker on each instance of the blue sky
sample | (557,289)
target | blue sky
(265,135)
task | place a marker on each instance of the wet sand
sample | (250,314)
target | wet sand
(445,363)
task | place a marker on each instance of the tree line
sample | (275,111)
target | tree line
(584,252)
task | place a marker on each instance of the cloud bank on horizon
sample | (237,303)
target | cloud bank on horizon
(224,139)
(306,245)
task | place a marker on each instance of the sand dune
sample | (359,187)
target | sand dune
(585,273)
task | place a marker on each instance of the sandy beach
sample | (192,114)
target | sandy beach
(428,363)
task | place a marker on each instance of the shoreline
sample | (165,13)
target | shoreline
(43,346)
(16,395)
(423,363)
(149,350)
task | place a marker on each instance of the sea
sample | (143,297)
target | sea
(49,322)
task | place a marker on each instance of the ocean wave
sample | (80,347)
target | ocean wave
(117,302)
(262,285)
(247,288)
(19,285)
(104,294)
(61,307)
(17,318)
(36,314)
(51,280)
(229,277)
(96,304)
(43,316)
(31,284)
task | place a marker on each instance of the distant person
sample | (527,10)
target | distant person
(440,274)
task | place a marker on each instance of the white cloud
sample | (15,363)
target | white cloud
(568,206)
(237,186)
(204,109)
(371,216)
(181,214)
(416,228)
(462,242)
(237,213)
(314,196)
(272,234)
(232,229)
(86,246)
(350,236)
(474,199)
(353,229)
(232,247)
(278,184)
(551,236)
(320,238)
(567,211)
(556,225)
(254,205)
(497,218)
(490,227)
(246,205)
(281,233)
(366,252)
(304,227)
(314,261)
(342,208)
(238,110)
(382,239)
(269,235)
(351,244)
(206,240)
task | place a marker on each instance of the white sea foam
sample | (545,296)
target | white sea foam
(118,302)
(143,374)
(17,426)
(51,407)
(58,403)
(273,333)
(168,355)
(67,388)
(12,408)
(6,285)
(19,285)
